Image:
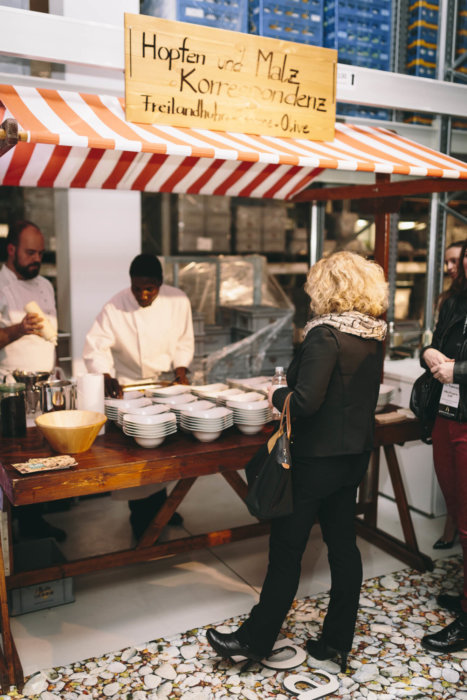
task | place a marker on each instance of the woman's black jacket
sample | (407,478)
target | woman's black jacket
(335,380)
(452,311)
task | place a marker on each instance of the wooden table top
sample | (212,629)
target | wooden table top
(115,461)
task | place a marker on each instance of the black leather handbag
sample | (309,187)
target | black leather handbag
(424,402)
(269,473)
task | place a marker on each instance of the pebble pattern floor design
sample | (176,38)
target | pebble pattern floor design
(387,660)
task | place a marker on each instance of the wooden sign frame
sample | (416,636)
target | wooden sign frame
(189,75)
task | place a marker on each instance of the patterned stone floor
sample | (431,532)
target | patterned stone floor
(387,660)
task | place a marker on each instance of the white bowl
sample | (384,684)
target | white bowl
(386,392)
(205,436)
(249,429)
(151,410)
(149,441)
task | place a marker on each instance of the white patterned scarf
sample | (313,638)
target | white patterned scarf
(352,322)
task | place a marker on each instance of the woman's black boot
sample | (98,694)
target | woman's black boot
(228,645)
(322,651)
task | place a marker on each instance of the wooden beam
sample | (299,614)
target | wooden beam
(400,188)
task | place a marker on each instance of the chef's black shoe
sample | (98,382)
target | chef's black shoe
(143,510)
(450,639)
(40,528)
(450,602)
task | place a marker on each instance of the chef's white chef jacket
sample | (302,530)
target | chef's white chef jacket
(31,352)
(134,342)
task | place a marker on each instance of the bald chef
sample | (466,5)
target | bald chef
(21,345)
(143,332)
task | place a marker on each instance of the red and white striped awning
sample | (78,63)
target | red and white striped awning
(79,140)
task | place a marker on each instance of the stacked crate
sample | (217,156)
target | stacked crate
(291,20)
(360,30)
(259,228)
(422,45)
(220,14)
(203,224)
(461,48)
(247,320)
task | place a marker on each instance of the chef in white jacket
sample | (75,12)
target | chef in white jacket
(143,332)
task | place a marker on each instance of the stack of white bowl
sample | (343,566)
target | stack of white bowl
(164,392)
(150,410)
(111,406)
(206,425)
(189,408)
(250,416)
(208,391)
(223,396)
(177,402)
(149,431)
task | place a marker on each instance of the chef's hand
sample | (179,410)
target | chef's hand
(31,323)
(434,357)
(112,388)
(180,376)
(444,372)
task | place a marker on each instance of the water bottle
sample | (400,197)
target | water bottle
(278,379)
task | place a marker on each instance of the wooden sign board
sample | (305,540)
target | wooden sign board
(188,75)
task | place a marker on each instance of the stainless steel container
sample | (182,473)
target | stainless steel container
(33,382)
(58,395)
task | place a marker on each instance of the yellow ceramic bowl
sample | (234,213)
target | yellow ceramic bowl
(70,431)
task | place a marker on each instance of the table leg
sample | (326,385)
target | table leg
(163,516)
(401,498)
(238,484)
(408,550)
(11,672)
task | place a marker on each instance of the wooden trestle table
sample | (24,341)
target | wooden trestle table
(116,462)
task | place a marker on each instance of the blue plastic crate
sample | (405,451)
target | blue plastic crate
(418,118)
(363,111)
(379,10)
(360,30)
(424,11)
(421,51)
(462,22)
(461,41)
(355,57)
(292,20)
(421,69)
(220,14)
(422,32)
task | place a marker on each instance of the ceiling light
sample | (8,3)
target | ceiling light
(406,225)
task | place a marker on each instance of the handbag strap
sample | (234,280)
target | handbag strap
(286,414)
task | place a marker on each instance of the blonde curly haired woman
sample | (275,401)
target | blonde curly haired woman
(334,383)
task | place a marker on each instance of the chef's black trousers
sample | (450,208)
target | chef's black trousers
(324,489)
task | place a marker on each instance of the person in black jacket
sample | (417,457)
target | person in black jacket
(446,357)
(334,383)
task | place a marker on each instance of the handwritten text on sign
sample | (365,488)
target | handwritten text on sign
(189,75)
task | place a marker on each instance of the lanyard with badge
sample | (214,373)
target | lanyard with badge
(449,399)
